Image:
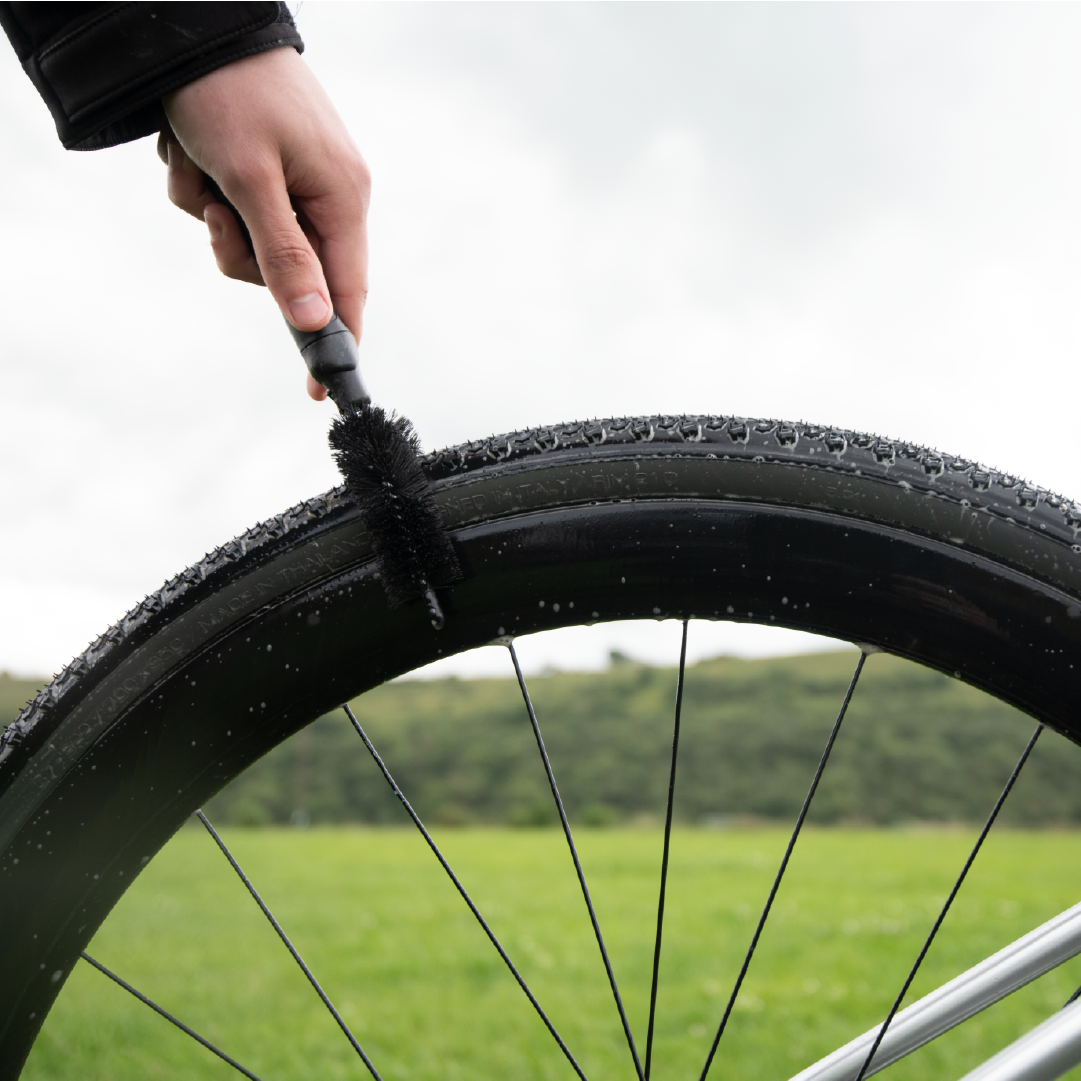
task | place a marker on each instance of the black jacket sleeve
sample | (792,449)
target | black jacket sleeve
(103,68)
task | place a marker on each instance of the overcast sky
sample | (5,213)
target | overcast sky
(861,215)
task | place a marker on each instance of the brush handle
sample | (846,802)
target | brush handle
(330,353)
(331,356)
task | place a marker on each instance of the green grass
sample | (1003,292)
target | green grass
(397,950)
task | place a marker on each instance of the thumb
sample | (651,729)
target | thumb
(289,265)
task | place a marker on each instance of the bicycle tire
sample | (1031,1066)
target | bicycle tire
(897,547)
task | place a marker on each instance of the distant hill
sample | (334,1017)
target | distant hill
(916,746)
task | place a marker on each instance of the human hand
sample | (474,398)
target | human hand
(265,130)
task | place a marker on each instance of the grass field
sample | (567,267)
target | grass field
(396,949)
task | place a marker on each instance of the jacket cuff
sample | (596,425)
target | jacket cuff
(103,79)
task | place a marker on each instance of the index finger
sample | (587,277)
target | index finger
(336,225)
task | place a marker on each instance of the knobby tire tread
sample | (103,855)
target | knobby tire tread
(1004,494)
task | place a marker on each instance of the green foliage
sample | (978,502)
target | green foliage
(398,952)
(916,746)
(14,694)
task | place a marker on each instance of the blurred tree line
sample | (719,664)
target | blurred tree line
(915,746)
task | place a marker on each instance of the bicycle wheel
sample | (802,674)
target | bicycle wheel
(928,556)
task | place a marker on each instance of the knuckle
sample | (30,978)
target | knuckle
(352,161)
(239,176)
(356,178)
(285,256)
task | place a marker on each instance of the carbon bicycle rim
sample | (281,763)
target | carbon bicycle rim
(895,547)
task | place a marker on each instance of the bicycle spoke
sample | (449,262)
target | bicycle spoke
(577,862)
(461,889)
(784,863)
(169,1017)
(664,855)
(290,947)
(949,900)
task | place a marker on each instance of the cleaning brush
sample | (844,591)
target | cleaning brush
(377,457)
(377,454)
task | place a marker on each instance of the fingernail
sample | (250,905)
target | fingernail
(311,308)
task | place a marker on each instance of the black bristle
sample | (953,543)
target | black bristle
(377,456)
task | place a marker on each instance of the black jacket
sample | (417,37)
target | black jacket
(103,68)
